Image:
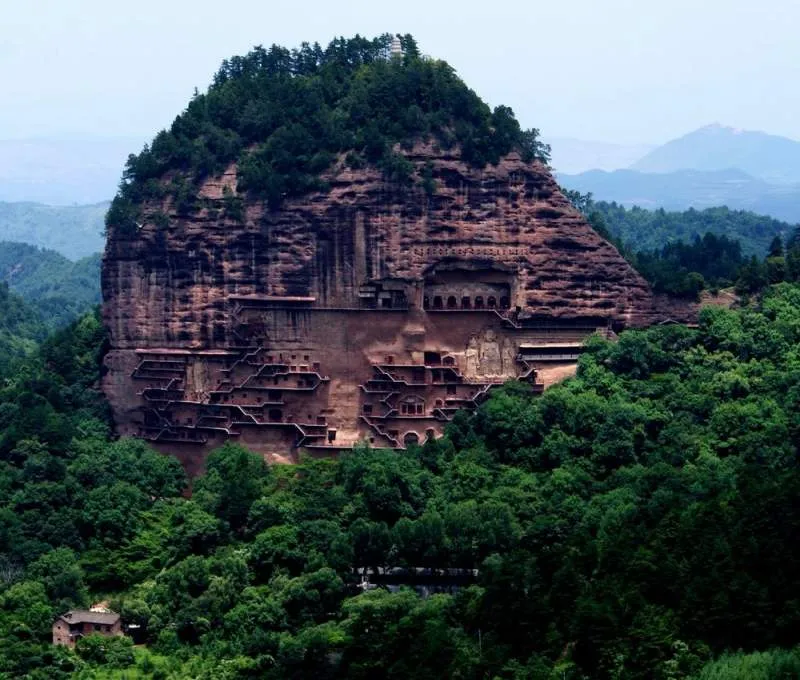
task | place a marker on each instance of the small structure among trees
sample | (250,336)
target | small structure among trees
(77,623)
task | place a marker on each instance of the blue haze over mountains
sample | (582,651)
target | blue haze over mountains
(54,192)
(712,166)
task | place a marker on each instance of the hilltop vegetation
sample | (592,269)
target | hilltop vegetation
(633,523)
(286,115)
(58,289)
(641,229)
(73,231)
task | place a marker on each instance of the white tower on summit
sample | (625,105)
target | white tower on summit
(397,48)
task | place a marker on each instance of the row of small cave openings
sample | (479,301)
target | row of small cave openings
(410,438)
(276,415)
(418,377)
(302,368)
(411,405)
(451,302)
(302,383)
(187,429)
(430,359)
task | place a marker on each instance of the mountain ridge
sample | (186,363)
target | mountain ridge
(62,171)
(75,231)
(684,189)
(60,289)
(715,147)
(573,155)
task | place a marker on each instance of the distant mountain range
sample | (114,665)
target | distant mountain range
(716,147)
(690,189)
(579,155)
(63,171)
(58,288)
(73,231)
(710,167)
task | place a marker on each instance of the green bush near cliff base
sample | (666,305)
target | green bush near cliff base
(637,521)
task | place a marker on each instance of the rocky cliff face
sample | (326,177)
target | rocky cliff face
(485,273)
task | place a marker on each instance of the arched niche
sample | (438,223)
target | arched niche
(410,439)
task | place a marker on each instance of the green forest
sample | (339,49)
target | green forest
(58,289)
(285,115)
(76,231)
(647,230)
(41,291)
(21,328)
(714,254)
(637,521)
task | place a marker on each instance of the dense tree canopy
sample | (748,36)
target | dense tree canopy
(647,230)
(59,289)
(712,260)
(286,115)
(637,521)
(35,299)
(21,327)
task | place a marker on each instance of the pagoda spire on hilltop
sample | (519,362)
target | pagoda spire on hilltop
(396,49)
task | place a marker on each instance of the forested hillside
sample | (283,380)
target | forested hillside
(638,521)
(73,231)
(641,229)
(707,260)
(21,328)
(684,189)
(286,115)
(59,289)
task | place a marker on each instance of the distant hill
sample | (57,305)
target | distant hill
(690,189)
(647,230)
(715,147)
(63,171)
(579,155)
(59,289)
(73,231)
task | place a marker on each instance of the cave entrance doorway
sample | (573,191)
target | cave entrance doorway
(410,439)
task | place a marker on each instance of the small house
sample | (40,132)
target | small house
(76,623)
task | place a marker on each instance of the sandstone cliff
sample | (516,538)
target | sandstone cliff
(169,285)
(492,272)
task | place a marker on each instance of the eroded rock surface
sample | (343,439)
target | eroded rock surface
(369,311)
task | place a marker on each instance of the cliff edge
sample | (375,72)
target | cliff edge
(371,305)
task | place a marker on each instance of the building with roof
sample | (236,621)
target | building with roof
(76,623)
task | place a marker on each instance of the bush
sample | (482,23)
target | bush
(116,651)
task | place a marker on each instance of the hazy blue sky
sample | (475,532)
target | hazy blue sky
(610,70)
